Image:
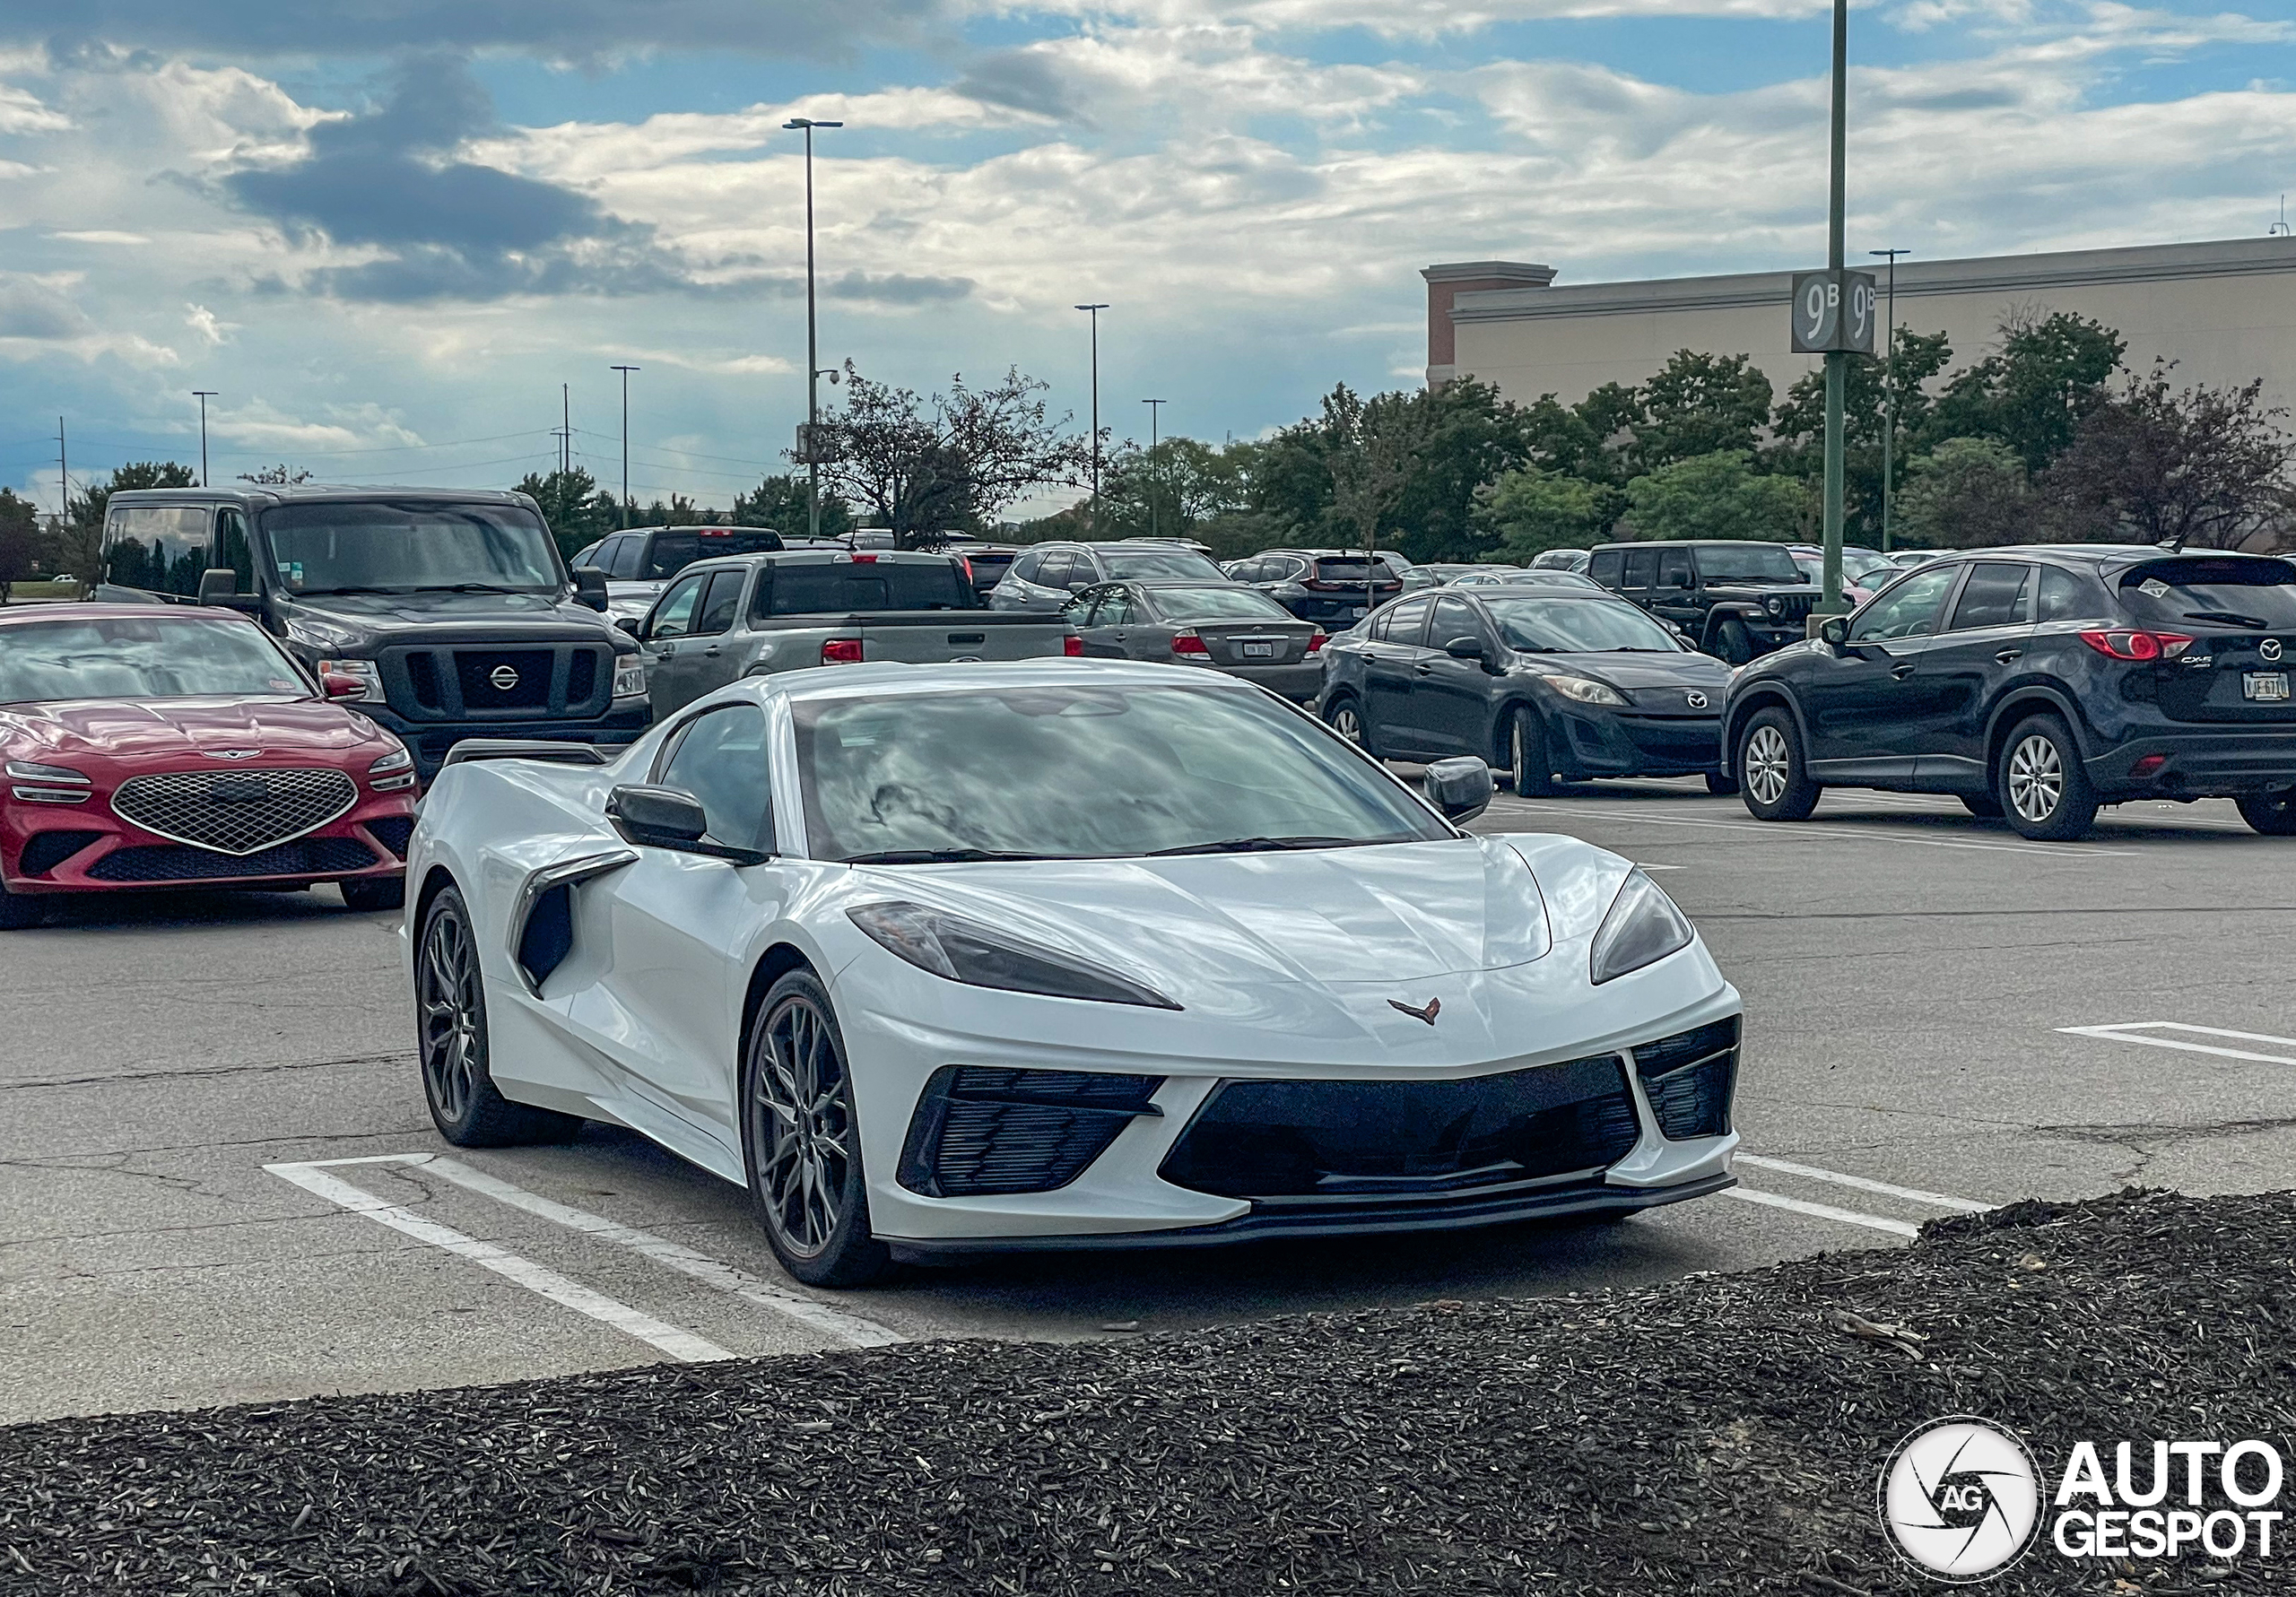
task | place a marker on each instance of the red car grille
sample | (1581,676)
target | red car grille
(234,812)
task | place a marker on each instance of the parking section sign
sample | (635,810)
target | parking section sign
(1834,310)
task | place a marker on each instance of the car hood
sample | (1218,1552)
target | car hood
(1196,926)
(1633,672)
(146,729)
(357,621)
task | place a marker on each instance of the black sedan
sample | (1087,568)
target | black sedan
(1225,626)
(1545,683)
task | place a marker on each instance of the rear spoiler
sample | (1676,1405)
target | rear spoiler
(512,748)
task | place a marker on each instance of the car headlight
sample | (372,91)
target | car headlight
(965,951)
(316,634)
(365,670)
(38,783)
(1776,606)
(1585,691)
(1643,928)
(392,772)
(629,677)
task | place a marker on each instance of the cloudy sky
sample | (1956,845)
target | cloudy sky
(386,231)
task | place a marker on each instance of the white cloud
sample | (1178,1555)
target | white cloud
(102,236)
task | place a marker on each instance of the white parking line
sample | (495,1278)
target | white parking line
(1803,828)
(536,1277)
(2127,1032)
(1911,1194)
(852,1330)
(1848,1217)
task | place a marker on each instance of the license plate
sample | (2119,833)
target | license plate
(1259,651)
(2264,684)
(1359,612)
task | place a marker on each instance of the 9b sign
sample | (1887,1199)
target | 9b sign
(1834,310)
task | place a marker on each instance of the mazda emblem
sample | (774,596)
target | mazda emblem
(2269,649)
(503,677)
(1696,701)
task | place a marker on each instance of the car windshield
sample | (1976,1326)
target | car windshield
(1146,565)
(1746,562)
(400,546)
(2224,590)
(136,657)
(1084,772)
(1578,626)
(1217,604)
(1549,579)
(672,552)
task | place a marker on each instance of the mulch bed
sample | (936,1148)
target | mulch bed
(1721,1434)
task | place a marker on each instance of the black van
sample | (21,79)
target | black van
(451,604)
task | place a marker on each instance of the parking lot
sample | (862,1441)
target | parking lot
(222,1185)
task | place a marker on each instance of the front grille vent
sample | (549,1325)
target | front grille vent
(234,811)
(393,831)
(314,856)
(981,1130)
(503,678)
(1688,1079)
(48,850)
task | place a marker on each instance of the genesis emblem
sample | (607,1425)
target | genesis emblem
(1696,701)
(230,753)
(1434,1008)
(503,677)
(2269,649)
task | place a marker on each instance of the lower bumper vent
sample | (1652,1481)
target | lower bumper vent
(981,1130)
(319,856)
(1688,1079)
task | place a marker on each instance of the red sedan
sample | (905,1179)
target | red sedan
(147,746)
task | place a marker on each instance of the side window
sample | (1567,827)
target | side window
(1996,595)
(1054,573)
(1674,568)
(674,616)
(231,547)
(715,614)
(720,760)
(1025,568)
(1114,608)
(629,558)
(2065,598)
(1407,620)
(1909,610)
(1290,568)
(1642,568)
(1604,566)
(1251,572)
(1454,617)
(595,556)
(158,548)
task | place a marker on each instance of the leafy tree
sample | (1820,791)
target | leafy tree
(1171,488)
(1966,493)
(1529,510)
(2204,467)
(1698,404)
(1374,444)
(2032,394)
(1799,449)
(1717,496)
(19,539)
(783,504)
(76,545)
(574,509)
(281,476)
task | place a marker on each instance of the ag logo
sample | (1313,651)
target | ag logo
(1960,1499)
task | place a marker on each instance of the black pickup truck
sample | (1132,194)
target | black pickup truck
(452,606)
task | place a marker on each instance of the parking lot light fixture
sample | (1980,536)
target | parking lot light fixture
(204,395)
(813,341)
(1095,310)
(1889,396)
(625,371)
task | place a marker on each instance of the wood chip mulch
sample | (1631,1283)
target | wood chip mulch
(1721,1434)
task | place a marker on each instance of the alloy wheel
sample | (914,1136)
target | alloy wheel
(1346,722)
(1766,762)
(808,1129)
(2036,777)
(447,996)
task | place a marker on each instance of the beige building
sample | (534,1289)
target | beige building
(2224,311)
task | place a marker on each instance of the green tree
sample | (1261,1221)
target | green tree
(19,539)
(783,502)
(281,476)
(1698,404)
(573,508)
(2031,393)
(1169,489)
(1799,449)
(1717,496)
(1528,510)
(2202,468)
(1966,493)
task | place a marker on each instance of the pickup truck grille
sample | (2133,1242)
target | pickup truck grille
(552,682)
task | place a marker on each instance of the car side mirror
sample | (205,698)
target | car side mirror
(219,589)
(1460,788)
(1835,630)
(590,588)
(337,686)
(1466,648)
(1077,585)
(670,818)
(632,625)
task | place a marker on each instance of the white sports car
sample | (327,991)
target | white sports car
(1073,953)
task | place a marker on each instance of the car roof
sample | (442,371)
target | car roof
(312,492)
(1694,543)
(879,677)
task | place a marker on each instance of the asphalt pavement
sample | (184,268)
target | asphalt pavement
(1940,1016)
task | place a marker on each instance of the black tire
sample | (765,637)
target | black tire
(451,1041)
(1985,807)
(1773,775)
(800,1140)
(1720,785)
(1345,716)
(2044,794)
(2273,814)
(19,910)
(1530,768)
(1733,644)
(372,894)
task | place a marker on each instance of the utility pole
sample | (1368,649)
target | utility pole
(1095,309)
(813,344)
(1154,406)
(625,371)
(565,434)
(1890,397)
(204,395)
(63,470)
(1837,360)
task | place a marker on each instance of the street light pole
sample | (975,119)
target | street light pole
(1837,360)
(813,344)
(1155,527)
(204,395)
(1890,397)
(1095,309)
(625,371)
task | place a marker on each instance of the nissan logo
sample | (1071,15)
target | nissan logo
(503,677)
(2269,649)
(1696,701)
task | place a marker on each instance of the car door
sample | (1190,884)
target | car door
(1390,671)
(1451,697)
(1100,616)
(712,654)
(668,625)
(1674,594)
(668,1009)
(1857,700)
(1959,676)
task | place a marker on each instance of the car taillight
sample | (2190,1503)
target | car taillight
(1317,642)
(1072,646)
(861,558)
(1186,641)
(966,566)
(2120,644)
(840,651)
